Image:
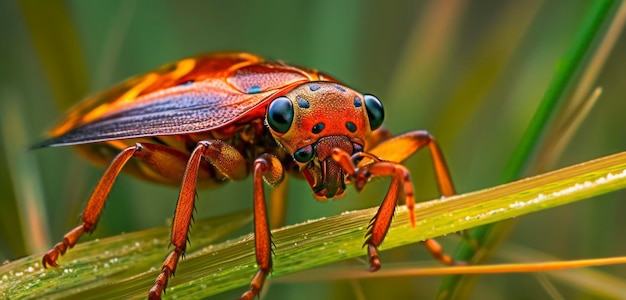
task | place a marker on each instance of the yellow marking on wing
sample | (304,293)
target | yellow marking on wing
(129,96)
(183,68)
(61,129)
(138,86)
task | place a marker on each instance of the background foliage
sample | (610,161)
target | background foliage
(472,74)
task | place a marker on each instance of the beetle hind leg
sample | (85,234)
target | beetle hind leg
(93,208)
(164,164)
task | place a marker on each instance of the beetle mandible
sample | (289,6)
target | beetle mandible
(224,116)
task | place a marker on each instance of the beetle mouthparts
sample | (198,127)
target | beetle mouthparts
(332,184)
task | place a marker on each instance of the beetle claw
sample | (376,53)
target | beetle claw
(372,253)
(50,258)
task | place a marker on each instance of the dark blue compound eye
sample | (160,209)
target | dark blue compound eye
(375,112)
(304,154)
(280,114)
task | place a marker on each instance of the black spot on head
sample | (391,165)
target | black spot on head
(340,88)
(303,103)
(318,128)
(314,87)
(357,101)
(351,126)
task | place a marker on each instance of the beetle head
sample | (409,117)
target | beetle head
(316,117)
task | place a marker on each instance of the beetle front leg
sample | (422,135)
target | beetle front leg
(227,160)
(401,186)
(267,167)
(399,148)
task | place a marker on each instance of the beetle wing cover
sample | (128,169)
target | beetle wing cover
(192,95)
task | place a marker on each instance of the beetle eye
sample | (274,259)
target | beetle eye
(375,112)
(304,154)
(280,114)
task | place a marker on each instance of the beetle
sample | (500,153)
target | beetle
(204,120)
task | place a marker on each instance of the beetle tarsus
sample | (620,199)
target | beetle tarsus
(69,240)
(160,284)
(436,251)
(255,286)
(167,271)
(372,253)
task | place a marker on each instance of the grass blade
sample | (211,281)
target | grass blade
(565,75)
(230,265)
(57,43)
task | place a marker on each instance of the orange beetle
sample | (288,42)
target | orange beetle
(209,118)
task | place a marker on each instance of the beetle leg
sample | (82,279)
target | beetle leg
(400,148)
(394,151)
(227,160)
(267,167)
(378,136)
(94,206)
(164,164)
(379,225)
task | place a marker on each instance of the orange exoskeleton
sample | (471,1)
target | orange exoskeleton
(209,118)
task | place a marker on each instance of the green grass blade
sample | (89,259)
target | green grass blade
(102,263)
(565,75)
(57,44)
(88,270)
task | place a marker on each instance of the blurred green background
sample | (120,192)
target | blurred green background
(470,73)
